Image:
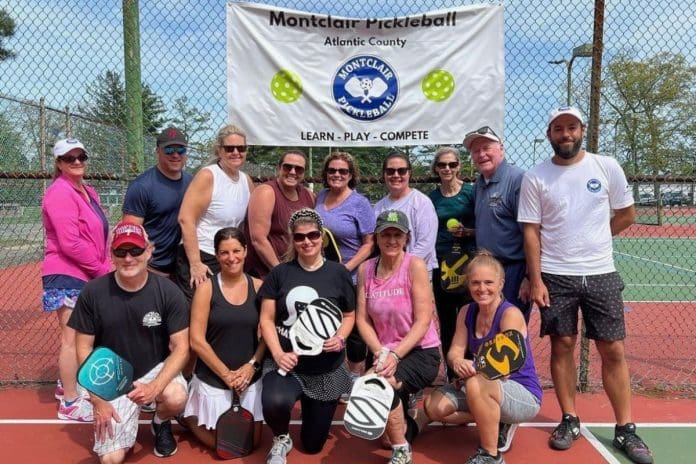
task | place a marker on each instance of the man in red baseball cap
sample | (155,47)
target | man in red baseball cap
(144,318)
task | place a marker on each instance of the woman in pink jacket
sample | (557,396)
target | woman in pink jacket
(75,252)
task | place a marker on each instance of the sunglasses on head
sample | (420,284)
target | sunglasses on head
(451,165)
(82,157)
(483,131)
(232,148)
(341,171)
(169,151)
(392,171)
(299,170)
(313,235)
(122,252)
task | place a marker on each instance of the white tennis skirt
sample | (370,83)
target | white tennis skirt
(208,403)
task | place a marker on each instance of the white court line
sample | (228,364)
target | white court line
(598,446)
(666,425)
(656,262)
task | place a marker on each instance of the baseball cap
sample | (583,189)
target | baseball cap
(561,110)
(128,233)
(171,136)
(483,132)
(391,218)
(63,146)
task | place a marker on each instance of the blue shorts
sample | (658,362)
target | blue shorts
(56,298)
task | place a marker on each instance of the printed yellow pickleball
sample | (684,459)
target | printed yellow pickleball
(452,223)
(438,85)
(286,86)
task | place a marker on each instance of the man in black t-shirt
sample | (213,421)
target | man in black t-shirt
(144,318)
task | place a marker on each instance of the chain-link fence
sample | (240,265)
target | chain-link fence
(67,78)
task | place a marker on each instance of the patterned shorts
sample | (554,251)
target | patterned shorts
(598,297)
(56,298)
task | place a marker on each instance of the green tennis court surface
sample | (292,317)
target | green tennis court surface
(669,444)
(657,269)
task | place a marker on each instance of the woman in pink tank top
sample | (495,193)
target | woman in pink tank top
(395,316)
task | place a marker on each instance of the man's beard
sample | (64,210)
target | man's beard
(567,153)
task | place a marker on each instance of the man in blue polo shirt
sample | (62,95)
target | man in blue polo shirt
(497,191)
(153,198)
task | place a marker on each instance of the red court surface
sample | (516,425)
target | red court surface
(29,433)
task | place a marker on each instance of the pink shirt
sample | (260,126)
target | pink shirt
(390,306)
(75,240)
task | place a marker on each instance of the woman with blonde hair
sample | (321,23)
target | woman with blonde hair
(217,197)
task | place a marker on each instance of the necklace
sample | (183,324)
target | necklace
(451,189)
(312,267)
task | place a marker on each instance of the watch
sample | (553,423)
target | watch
(255,364)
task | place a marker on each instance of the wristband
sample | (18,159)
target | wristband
(254,363)
(396,356)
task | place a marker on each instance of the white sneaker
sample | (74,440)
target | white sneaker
(80,410)
(401,455)
(282,444)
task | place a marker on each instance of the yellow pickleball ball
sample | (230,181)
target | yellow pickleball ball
(438,85)
(452,223)
(286,86)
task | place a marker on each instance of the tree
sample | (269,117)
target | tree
(107,103)
(11,147)
(652,106)
(7,29)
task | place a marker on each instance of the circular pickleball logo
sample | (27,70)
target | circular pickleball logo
(438,85)
(102,372)
(365,87)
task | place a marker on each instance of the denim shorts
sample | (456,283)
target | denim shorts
(518,404)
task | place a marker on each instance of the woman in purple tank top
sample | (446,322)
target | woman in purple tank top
(497,406)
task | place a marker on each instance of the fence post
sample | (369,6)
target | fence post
(134,103)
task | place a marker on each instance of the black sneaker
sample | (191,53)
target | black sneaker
(505,434)
(482,457)
(565,433)
(165,444)
(626,439)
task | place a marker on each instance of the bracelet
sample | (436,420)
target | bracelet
(396,356)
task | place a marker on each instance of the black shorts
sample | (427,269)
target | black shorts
(598,297)
(418,369)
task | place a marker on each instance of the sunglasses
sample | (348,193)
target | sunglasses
(70,159)
(341,171)
(483,131)
(392,171)
(122,252)
(169,151)
(299,170)
(312,236)
(232,148)
(451,165)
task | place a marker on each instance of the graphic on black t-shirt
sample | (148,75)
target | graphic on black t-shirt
(296,301)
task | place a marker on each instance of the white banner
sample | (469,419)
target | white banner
(296,78)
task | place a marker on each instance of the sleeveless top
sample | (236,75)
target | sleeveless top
(227,207)
(527,375)
(231,332)
(278,233)
(390,306)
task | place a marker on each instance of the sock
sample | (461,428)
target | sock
(402,445)
(157,419)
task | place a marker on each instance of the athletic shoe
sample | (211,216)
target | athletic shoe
(401,455)
(282,444)
(505,434)
(165,444)
(149,408)
(482,457)
(79,410)
(59,392)
(626,439)
(565,433)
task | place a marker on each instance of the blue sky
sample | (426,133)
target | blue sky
(62,45)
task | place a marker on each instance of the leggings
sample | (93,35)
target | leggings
(278,398)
